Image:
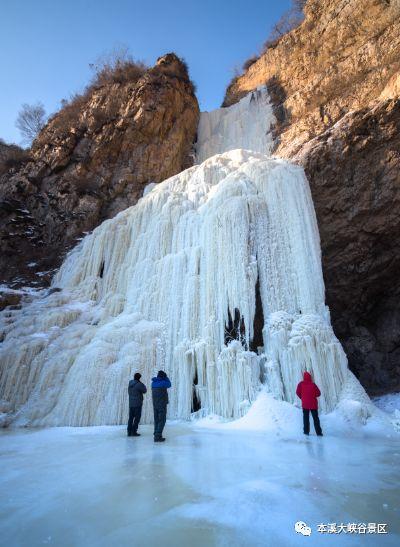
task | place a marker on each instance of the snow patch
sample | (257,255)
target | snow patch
(388,403)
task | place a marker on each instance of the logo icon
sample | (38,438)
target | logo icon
(302,528)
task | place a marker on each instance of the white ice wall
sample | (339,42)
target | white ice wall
(153,288)
(173,267)
(246,124)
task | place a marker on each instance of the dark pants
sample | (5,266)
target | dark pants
(306,421)
(135,413)
(160,417)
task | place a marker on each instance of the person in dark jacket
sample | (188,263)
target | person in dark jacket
(308,393)
(159,386)
(136,391)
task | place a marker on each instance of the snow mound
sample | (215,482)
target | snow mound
(271,416)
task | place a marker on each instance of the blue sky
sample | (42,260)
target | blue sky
(46,45)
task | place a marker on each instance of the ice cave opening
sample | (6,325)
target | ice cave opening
(214,275)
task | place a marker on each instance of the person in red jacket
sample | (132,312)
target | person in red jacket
(308,393)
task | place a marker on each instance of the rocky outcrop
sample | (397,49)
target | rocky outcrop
(335,85)
(12,157)
(9,299)
(92,160)
(344,55)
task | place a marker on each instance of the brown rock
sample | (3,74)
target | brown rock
(92,160)
(344,55)
(354,174)
(9,298)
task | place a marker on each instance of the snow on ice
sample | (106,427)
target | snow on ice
(94,487)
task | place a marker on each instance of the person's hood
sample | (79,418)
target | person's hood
(160,382)
(307,377)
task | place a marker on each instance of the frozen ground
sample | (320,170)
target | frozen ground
(203,487)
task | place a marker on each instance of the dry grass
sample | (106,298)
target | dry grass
(290,20)
(118,67)
(13,157)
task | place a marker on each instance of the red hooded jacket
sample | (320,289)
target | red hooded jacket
(308,392)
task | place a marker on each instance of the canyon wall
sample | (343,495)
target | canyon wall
(335,84)
(92,160)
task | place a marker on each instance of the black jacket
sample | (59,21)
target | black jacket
(136,390)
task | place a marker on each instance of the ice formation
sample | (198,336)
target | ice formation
(175,283)
(246,124)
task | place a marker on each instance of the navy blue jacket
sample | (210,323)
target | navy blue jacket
(159,392)
(135,391)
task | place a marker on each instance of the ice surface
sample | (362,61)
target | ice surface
(93,487)
(389,403)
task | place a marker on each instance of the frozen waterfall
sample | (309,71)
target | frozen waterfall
(246,124)
(180,281)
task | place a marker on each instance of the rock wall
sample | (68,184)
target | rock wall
(354,174)
(92,160)
(344,55)
(335,83)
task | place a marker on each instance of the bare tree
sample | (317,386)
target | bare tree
(291,19)
(298,5)
(31,118)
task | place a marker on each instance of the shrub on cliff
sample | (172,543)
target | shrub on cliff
(247,64)
(290,20)
(12,157)
(118,66)
(69,114)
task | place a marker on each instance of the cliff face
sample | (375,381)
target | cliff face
(354,174)
(6,150)
(335,85)
(92,160)
(344,55)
